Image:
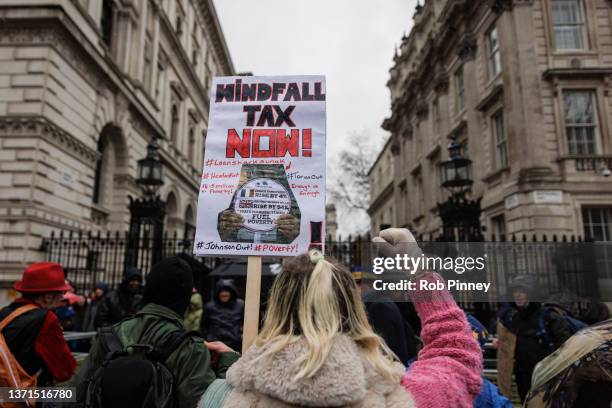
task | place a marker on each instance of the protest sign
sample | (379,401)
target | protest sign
(262,191)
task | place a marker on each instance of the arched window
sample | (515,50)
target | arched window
(105,173)
(98,174)
(189,223)
(171,213)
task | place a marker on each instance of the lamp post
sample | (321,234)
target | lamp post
(147,213)
(460,215)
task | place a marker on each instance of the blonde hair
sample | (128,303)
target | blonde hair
(316,299)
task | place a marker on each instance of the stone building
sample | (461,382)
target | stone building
(382,187)
(524,87)
(84,86)
(331,223)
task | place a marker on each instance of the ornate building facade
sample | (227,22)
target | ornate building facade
(382,187)
(84,86)
(523,86)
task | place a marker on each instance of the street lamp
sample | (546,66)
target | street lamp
(456,170)
(147,214)
(460,216)
(150,170)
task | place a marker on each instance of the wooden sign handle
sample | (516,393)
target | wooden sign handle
(251,304)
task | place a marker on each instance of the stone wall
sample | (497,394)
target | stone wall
(67,100)
(540,190)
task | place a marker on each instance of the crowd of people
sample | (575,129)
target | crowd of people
(323,342)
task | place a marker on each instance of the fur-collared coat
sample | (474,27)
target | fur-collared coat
(447,373)
(345,380)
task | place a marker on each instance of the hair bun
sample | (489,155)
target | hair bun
(315,256)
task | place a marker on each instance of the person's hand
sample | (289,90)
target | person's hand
(395,236)
(218,347)
(288,226)
(397,241)
(495,343)
(230,221)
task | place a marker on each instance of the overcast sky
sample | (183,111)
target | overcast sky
(351,42)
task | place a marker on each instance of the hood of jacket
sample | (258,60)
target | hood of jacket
(527,283)
(228,285)
(129,274)
(344,379)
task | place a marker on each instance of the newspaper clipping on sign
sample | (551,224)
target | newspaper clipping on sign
(263,184)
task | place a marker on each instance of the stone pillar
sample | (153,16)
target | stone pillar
(523,100)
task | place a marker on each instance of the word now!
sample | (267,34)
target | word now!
(268,143)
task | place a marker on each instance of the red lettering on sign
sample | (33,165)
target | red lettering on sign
(279,144)
(236,144)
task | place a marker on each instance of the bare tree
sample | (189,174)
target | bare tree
(349,187)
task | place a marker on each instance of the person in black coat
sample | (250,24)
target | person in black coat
(123,302)
(522,317)
(223,316)
(387,321)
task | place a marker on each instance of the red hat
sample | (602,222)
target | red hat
(41,277)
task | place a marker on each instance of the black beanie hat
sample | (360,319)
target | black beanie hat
(170,284)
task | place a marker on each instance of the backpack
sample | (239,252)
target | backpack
(574,325)
(134,376)
(12,375)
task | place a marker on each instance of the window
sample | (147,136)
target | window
(580,122)
(148,50)
(435,179)
(148,64)
(596,222)
(501,142)
(195,47)
(191,147)
(207,73)
(175,123)
(435,115)
(180,18)
(460,83)
(420,204)
(203,144)
(102,194)
(98,174)
(499,227)
(106,21)
(160,75)
(568,25)
(493,53)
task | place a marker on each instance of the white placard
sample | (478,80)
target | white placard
(547,197)
(511,201)
(263,183)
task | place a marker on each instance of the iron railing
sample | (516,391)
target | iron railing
(557,263)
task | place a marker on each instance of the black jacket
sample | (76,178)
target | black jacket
(387,321)
(120,303)
(223,321)
(530,348)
